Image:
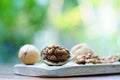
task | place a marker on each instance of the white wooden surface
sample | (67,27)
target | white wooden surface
(69,69)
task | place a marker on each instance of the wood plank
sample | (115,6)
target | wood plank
(69,69)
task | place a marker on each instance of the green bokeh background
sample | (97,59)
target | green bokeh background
(63,22)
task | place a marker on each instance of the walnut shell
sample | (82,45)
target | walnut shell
(55,55)
(80,49)
(29,54)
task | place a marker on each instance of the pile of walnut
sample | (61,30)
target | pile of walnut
(83,54)
(88,58)
(55,55)
(91,58)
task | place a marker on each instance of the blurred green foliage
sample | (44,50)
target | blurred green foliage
(64,22)
(19,20)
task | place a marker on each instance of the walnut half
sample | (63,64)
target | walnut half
(55,55)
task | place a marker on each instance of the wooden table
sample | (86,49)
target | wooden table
(7,72)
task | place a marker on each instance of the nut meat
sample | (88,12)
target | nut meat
(55,55)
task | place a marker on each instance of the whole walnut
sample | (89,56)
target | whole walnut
(55,55)
(80,49)
(29,54)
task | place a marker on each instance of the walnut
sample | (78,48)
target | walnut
(55,55)
(103,60)
(91,58)
(29,54)
(94,61)
(83,54)
(80,61)
(113,58)
(81,49)
(87,58)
